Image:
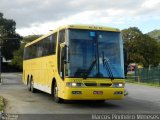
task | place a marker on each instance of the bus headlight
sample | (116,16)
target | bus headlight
(74,84)
(118,85)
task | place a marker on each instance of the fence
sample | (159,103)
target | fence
(145,75)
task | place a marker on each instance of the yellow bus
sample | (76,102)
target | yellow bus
(76,62)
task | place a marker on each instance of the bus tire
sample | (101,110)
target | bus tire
(33,90)
(55,94)
(28,84)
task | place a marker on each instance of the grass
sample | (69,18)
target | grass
(147,84)
(142,83)
(1,103)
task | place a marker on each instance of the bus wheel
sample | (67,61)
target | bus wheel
(55,94)
(29,85)
(33,90)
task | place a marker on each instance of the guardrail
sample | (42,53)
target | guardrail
(144,75)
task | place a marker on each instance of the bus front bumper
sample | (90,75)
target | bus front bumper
(93,93)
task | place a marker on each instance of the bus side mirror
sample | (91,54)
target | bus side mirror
(64,52)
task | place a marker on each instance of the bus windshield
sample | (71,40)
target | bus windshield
(88,49)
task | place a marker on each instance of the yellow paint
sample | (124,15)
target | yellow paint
(44,69)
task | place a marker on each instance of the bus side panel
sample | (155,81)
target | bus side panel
(50,71)
(39,74)
(30,69)
(52,74)
(43,70)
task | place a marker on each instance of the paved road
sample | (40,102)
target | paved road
(141,99)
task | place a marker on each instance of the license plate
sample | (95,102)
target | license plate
(97,92)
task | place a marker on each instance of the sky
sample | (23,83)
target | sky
(41,16)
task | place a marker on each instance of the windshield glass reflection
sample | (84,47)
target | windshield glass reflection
(83,54)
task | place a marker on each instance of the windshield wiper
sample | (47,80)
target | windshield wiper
(91,68)
(85,73)
(107,67)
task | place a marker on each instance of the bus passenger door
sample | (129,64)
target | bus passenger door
(63,59)
(61,53)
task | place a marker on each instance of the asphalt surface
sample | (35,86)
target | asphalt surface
(141,99)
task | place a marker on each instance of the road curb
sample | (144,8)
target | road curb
(20,74)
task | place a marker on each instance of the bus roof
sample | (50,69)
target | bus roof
(76,26)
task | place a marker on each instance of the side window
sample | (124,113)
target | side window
(39,49)
(25,57)
(32,51)
(44,47)
(53,40)
(61,37)
(49,45)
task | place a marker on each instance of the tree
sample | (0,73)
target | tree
(18,55)
(130,37)
(155,34)
(149,49)
(10,40)
(141,48)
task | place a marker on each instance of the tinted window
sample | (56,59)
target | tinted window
(83,48)
(45,47)
(52,42)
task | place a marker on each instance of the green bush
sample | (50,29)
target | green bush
(1,103)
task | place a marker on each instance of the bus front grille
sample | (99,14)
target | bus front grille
(105,84)
(90,84)
(100,84)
